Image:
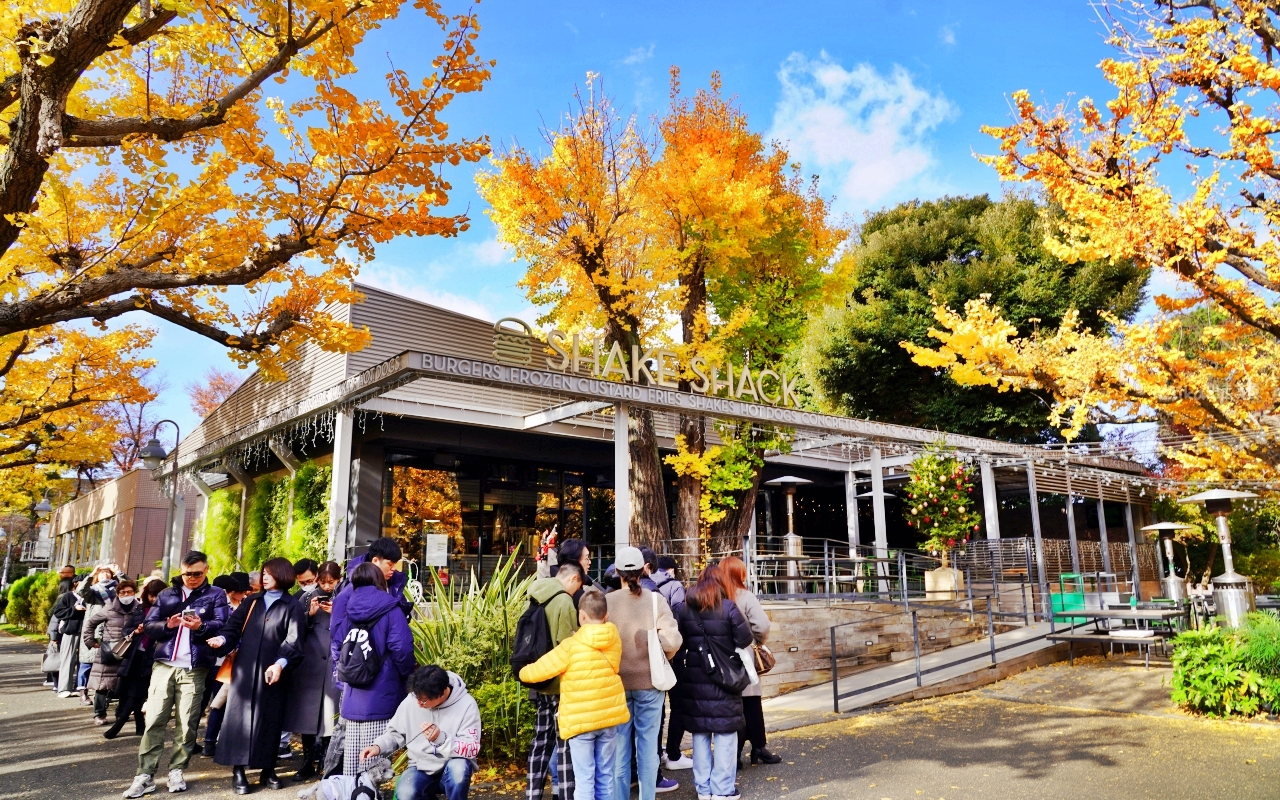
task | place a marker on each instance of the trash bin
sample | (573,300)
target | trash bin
(1233,596)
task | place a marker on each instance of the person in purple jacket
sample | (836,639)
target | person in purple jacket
(366,710)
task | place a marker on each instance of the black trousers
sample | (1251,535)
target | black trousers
(754,731)
(675,734)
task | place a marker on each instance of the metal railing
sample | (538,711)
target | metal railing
(919,672)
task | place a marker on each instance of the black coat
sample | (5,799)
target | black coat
(255,711)
(313,694)
(703,706)
(65,611)
(135,680)
(115,622)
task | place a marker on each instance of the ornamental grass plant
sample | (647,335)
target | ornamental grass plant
(470,633)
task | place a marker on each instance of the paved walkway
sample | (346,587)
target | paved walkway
(814,704)
(51,750)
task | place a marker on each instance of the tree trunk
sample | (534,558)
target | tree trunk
(650,525)
(1208,567)
(688,518)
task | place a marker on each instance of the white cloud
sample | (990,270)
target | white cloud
(861,130)
(491,252)
(410,283)
(947,35)
(639,55)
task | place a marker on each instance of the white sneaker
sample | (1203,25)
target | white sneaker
(142,785)
(65,695)
(176,781)
(683,762)
(704,797)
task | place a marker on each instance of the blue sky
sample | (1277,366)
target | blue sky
(882,99)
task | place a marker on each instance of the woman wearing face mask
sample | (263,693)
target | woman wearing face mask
(134,679)
(313,695)
(105,628)
(267,630)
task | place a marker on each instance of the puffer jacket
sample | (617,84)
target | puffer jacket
(207,600)
(562,617)
(705,707)
(591,693)
(379,613)
(671,589)
(111,622)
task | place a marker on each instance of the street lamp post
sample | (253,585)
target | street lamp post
(8,551)
(153,456)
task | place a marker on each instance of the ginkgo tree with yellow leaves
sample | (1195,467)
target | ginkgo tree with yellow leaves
(1195,92)
(704,224)
(147,169)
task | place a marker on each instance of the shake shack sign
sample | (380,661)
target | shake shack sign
(515,344)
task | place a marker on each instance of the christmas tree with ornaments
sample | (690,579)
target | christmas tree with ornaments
(940,501)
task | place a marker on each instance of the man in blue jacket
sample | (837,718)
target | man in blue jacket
(384,553)
(185,615)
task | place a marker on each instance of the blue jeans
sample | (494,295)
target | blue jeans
(454,780)
(646,720)
(82,676)
(715,763)
(592,754)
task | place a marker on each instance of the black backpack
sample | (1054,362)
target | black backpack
(359,661)
(532,640)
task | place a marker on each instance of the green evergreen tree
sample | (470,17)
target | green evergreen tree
(940,502)
(952,250)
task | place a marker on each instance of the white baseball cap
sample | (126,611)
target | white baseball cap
(628,559)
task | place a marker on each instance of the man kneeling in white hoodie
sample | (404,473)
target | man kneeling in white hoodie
(439,723)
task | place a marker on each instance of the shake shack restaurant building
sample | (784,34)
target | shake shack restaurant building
(470,438)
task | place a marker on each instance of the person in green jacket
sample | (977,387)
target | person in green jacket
(562,618)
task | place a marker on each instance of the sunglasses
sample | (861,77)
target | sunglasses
(193,574)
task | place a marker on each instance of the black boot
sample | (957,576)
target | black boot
(114,730)
(268,779)
(308,769)
(763,756)
(239,783)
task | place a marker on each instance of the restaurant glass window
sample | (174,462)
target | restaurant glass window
(418,501)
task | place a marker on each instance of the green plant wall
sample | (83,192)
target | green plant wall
(265,533)
(222,530)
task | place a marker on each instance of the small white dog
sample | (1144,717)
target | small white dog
(351,787)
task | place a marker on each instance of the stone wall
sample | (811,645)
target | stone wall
(801,638)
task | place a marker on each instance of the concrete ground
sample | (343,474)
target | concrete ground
(1104,728)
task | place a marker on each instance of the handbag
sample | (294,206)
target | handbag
(224,671)
(661,674)
(722,664)
(52,658)
(763,658)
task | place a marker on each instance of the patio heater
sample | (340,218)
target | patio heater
(1175,588)
(1232,593)
(793,547)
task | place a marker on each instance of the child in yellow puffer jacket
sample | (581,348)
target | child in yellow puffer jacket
(592,701)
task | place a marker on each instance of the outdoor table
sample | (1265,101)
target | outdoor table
(1102,637)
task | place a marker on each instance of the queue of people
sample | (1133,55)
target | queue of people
(325,654)
(615,654)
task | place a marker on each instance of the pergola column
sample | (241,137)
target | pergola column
(1071,525)
(1042,575)
(1102,532)
(851,512)
(1133,545)
(990,499)
(881,524)
(621,475)
(340,485)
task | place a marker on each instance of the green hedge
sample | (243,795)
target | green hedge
(30,599)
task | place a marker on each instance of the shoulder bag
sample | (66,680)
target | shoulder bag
(763,657)
(661,674)
(722,663)
(224,671)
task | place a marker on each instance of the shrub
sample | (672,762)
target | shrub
(18,609)
(508,719)
(30,599)
(470,633)
(1219,672)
